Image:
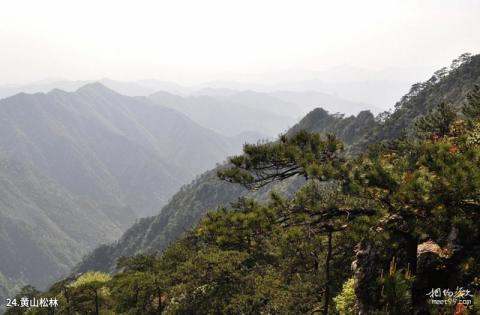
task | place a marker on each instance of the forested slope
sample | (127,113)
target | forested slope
(208,192)
(447,85)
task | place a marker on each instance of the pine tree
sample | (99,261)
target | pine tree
(90,292)
(437,122)
(471,109)
(308,155)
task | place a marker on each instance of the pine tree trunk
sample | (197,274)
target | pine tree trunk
(159,302)
(67,300)
(412,244)
(366,271)
(96,303)
(327,274)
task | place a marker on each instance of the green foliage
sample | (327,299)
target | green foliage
(345,302)
(397,291)
(471,109)
(446,86)
(305,154)
(184,211)
(90,292)
(91,280)
(437,121)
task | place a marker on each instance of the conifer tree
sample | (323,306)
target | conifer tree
(471,109)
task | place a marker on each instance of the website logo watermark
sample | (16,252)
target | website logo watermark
(440,296)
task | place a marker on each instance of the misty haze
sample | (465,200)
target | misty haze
(240,157)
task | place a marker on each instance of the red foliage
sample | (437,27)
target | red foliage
(453,148)
(459,309)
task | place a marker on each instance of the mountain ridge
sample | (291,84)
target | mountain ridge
(190,207)
(77,168)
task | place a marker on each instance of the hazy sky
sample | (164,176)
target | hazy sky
(193,41)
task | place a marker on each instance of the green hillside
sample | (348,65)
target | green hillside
(447,85)
(77,169)
(208,192)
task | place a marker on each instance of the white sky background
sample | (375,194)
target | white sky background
(196,41)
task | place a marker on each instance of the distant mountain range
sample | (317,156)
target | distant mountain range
(348,97)
(234,114)
(138,88)
(379,89)
(227,111)
(77,168)
(231,112)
